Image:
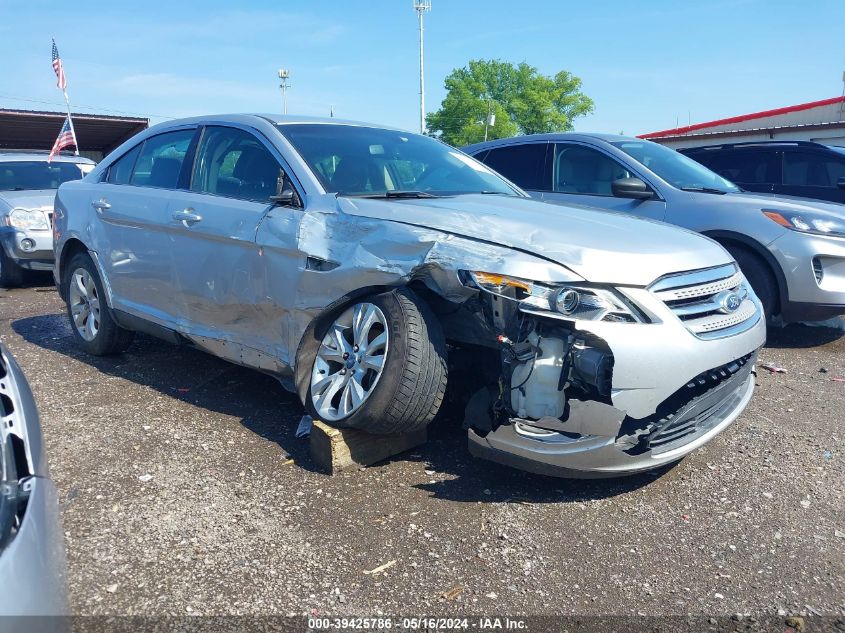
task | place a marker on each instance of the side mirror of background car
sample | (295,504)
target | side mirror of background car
(841,183)
(631,188)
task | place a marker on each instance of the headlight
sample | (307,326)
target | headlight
(807,222)
(568,301)
(28,219)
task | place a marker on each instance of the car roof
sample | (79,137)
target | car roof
(755,144)
(273,119)
(553,136)
(39,156)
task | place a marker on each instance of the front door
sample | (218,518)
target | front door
(221,272)
(584,175)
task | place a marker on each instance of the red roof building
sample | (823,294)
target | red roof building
(820,121)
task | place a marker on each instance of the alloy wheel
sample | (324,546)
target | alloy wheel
(350,361)
(84,304)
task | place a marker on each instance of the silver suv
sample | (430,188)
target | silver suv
(791,250)
(347,259)
(28,184)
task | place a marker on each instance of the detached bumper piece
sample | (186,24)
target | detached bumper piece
(714,393)
(688,419)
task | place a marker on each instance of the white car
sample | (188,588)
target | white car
(28,184)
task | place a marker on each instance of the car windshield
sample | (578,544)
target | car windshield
(31,174)
(363,161)
(675,168)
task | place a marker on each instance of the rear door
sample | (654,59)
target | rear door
(584,175)
(812,174)
(133,241)
(523,164)
(221,273)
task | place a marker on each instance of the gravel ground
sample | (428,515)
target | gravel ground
(183,490)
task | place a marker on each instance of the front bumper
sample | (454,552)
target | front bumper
(37,254)
(807,298)
(593,456)
(653,367)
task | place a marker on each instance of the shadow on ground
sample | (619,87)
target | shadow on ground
(801,335)
(267,409)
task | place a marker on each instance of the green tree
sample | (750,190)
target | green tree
(522,100)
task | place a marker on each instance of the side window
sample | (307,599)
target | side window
(579,169)
(120,172)
(522,164)
(749,167)
(235,164)
(811,169)
(161,160)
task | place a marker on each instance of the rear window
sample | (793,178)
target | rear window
(161,159)
(34,175)
(521,164)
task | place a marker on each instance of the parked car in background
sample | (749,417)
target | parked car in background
(32,563)
(341,257)
(28,184)
(792,168)
(792,251)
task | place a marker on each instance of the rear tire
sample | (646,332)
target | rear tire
(379,365)
(11,275)
(760,276)
(90,317)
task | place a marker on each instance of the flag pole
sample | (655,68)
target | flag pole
(58,67)
(72,130)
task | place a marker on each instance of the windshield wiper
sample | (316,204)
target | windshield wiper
(397,193)
(705,190)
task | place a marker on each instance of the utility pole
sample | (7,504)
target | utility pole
(490,120)
(284,75)
(421,6)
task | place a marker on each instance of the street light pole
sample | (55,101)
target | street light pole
(421,6)
(284,75)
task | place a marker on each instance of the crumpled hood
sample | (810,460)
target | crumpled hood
(599,246)
(32,199)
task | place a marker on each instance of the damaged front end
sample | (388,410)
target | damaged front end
(570,397)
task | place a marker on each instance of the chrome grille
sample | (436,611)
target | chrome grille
(712,303)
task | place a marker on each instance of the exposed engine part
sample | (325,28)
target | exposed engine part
(593,367)
(535,383)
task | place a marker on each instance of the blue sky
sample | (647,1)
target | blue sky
(646,64)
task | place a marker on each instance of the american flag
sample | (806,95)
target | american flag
(60,71)
(65,139)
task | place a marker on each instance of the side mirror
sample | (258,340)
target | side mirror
(841,183)
(285,195)
(631,188)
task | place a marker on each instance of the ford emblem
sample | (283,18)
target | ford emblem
(729,302)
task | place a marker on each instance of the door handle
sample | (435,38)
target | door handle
(101,205)
(187,216)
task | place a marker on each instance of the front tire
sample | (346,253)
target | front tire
(378,366)
(760,276)
(11,275)
(90,318)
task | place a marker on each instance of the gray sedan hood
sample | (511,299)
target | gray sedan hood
(789,203)
(30,199)
(599,246)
